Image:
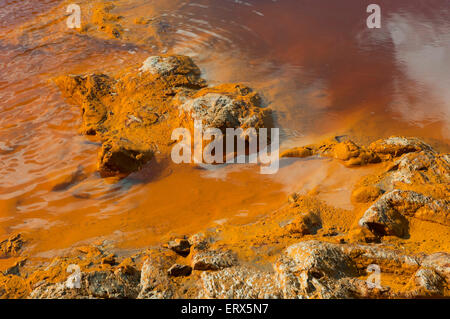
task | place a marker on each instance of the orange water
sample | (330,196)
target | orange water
(315,63)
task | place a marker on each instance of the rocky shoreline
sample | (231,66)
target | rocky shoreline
(307,249)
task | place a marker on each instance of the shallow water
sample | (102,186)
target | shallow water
(315,63)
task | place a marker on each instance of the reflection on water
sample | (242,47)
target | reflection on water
(315,63)
(423,54)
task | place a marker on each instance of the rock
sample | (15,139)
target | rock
(226,106)
(436,211)
(13,287)
(305,224)
(314,269)
(171,65)
(109,260)
(134,113)
(366,194)
(105,284)
(346,151)
(154,281)
(89,251)
(11,246)
(89,91)
(387,216)
(213,260)
(440,263)
(96,284)
(293,198)
(202,241)
(181,246)
(396,146)
(127,267)
(426,169)
(197,239)
(362,235)
(179,270)
(308,268)
(118,158)
(429,280)
(15,269)
(353,155)
(240,283)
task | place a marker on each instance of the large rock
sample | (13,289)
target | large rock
(427,170)
(396,146)
(225,107)
(310,268)
(240,283)
(154,281)
(213,259)
(178,270)
(346,151)
(387,216)
(97,284)
(440,263)
(11,246)
(134,114)
(389,260)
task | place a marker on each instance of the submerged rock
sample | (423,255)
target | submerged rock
(300,152)
(425,172)
(226,106)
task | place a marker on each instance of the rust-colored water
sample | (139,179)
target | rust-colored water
(315,63)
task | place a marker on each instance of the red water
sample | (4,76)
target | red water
(315,63)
